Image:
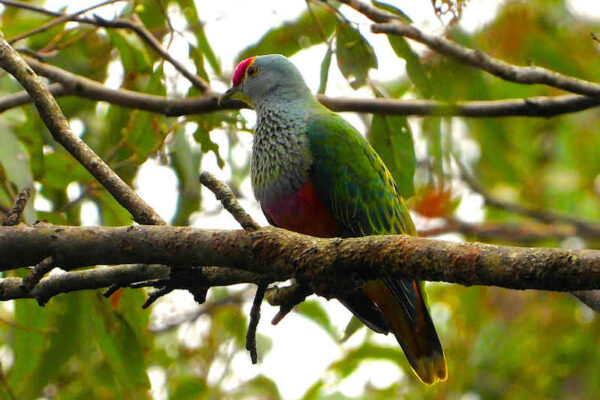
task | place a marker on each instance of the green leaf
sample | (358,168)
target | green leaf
(392,9)
(353,326)
(314,392)
(432,130)
(111,212)
(189,388)
(15,172)
(391,137)
(61,169)
(186,163)
(325,71)
(260,387)
(190,12)
(355,56)
(414,69)
(314,311)
(84,51)
(121,347)
(134,54)
(296,35)
(198,59)
(29,341)
(206,124)
(369,351)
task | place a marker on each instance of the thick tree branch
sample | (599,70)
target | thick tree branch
(58,126)
(75,85)
(327,266)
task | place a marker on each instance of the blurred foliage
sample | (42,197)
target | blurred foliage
(499,344)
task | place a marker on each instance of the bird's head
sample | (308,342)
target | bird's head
(261,77)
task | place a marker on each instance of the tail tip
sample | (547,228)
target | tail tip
(431,369)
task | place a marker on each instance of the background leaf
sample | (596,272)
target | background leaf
(391,137)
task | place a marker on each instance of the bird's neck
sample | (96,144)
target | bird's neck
(280,153)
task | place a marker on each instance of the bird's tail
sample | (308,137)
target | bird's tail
(402,304)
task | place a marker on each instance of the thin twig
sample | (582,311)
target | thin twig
(227,198)
(57,21)
(585,228)
(37,273)
(374,14)
(149,38)
(155,295)
(522,233)
(30,7)
(254,318)
(112,289)
(58,126)
(207,308)
(286,298)
(15,214)
(590,298)
(136,26)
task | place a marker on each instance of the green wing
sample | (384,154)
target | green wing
(352,180)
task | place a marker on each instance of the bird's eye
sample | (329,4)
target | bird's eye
(253,71)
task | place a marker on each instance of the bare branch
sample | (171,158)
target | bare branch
(389,24)
(38,272)
(58,126)
(590,298)
(529,232)
(12,288)
(374,14)
(480,60)
(14,215)
(286,298)
(254,319)
(583,228)
(229,201)
(72,84)
(22,97)
(329,267)
(542,106)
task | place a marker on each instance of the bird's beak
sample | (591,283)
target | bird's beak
(230,93)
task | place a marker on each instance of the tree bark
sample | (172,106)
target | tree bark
(328,266)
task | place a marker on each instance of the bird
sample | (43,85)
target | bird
(312,172)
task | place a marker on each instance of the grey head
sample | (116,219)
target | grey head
(270,78)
